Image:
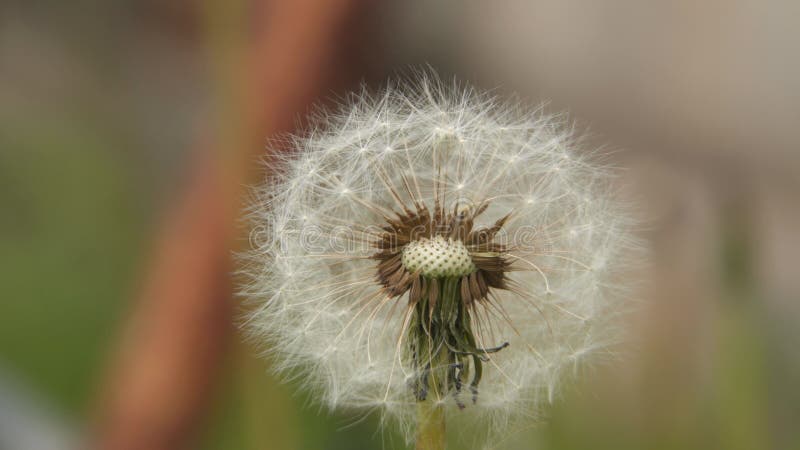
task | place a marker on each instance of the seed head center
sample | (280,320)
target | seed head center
(438,257)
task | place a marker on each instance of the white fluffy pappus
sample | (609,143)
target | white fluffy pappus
(328,313)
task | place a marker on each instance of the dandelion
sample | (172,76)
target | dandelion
(433,252)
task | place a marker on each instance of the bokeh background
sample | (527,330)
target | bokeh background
(109,112)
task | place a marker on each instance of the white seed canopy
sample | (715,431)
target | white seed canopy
(398,197)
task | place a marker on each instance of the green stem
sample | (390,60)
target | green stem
(430,426)
(430,410)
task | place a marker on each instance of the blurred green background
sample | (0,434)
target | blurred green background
(100,101)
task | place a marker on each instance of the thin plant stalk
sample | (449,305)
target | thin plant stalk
(430,426)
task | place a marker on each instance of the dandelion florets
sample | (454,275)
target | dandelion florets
(435,244)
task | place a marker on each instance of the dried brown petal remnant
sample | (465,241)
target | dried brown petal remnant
(446,266)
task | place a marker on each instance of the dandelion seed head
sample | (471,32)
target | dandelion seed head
(427,191)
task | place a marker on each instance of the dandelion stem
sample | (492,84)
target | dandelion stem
(430,425)
(435,383)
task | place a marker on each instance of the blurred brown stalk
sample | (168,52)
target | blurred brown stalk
(269,72)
